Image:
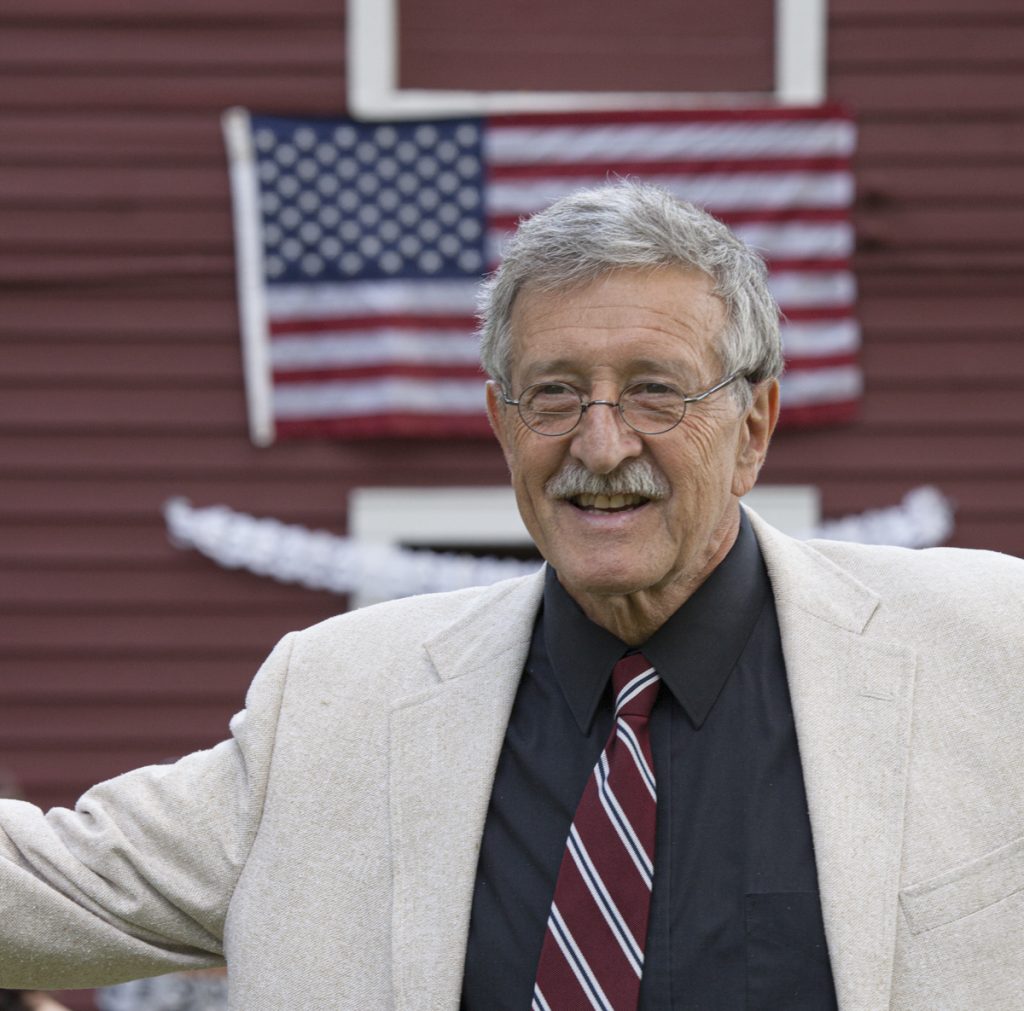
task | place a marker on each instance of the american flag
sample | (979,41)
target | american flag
(361,245)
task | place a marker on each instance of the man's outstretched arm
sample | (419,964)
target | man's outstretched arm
(137,879)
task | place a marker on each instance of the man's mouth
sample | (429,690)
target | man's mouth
(608,503)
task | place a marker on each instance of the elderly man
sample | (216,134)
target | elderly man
(693,764)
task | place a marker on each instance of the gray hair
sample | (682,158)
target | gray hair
(626,225)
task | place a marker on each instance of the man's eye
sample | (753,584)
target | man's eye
(653,398)
(550,398)
(652,392)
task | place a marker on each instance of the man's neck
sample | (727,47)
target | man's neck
(635,617)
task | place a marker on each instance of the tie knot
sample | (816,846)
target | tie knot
(635,686)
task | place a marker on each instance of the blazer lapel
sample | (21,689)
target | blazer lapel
(445,743)
(852,699)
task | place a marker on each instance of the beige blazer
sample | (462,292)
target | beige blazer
(328,850)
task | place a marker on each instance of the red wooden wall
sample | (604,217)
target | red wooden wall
(120,377)
(938,90)
(578,45)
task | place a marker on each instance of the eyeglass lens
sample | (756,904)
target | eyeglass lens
(554,409)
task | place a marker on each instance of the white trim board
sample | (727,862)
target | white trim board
(801,33)
(451,517)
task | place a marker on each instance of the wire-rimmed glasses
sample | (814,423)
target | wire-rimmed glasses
(648,408)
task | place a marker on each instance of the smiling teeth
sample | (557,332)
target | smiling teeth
(608,501)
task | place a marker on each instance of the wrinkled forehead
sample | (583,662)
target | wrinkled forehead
(668,312)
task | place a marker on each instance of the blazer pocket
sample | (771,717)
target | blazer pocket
(966,889)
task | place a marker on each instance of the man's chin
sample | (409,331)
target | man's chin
(600,584)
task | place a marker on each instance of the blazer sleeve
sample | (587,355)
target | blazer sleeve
(137,879)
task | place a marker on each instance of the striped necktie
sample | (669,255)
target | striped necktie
(593,954)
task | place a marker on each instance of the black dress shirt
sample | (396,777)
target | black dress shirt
(735,914)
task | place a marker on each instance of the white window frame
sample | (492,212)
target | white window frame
(801,32)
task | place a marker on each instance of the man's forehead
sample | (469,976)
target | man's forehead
(669,312)
(663,291)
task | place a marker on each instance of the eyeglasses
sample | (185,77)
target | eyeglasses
(648,408)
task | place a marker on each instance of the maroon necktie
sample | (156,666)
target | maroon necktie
(593,954)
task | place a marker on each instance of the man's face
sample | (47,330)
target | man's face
(626,327)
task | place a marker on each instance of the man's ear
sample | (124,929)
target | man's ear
(755,434)
(496,415)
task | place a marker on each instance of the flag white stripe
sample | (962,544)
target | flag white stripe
(629,738)
(344,398)
(363,298)
(579,965)
(798,240)
(790,191)
(799,289)
(811,340)
(621,823)
(375,347)
(774,240)
(605,903)
(822,386)
(719,193)
(654,142)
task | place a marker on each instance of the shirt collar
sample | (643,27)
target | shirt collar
(694,651)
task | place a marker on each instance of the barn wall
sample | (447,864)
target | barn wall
(121,375)
(121,381)
(578,45)
(120,378)
(938,91)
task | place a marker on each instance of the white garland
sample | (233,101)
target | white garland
(324,561)
(924,519)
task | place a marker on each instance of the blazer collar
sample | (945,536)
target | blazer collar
(852,695)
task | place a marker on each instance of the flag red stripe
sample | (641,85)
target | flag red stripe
(314,324)
(822,266)
(812,364)
(814,415)
(789,215)
(809,315)
(389,370)
(395,425)
(653,169)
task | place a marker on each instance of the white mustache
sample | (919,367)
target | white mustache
(632,477)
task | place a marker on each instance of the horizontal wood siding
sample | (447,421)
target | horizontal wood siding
(120,379)
(938,90)
(120,382)
(680,46)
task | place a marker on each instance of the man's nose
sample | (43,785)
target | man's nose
(602,440)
